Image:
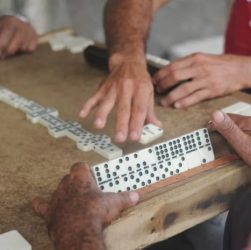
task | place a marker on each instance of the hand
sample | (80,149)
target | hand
(15,36)
(129,88)
(79,211)
(237,130)
(211,76)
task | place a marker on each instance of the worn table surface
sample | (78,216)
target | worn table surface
(32,162)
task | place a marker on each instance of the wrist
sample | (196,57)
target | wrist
(117,59)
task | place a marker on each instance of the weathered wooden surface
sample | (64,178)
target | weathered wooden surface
(32,162)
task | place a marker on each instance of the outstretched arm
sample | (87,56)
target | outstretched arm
(129,86)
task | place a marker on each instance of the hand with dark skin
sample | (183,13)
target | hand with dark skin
(210,76)
(78,211)
(128,86)
(16,36)
(237,131)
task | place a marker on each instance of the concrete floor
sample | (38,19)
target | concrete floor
(178,22)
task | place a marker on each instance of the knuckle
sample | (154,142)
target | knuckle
(198,57)
(229,127)
(172,67)
(139,108)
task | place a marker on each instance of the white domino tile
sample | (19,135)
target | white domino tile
(157,59)
(75,133)
(49,120)
(155,163)
(87,143)
(62,129)
(236,107)
(107,150)
(78,44)
(34,116)
(150,133)
(13,240)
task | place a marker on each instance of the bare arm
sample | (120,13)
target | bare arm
(128,87)
(127,24)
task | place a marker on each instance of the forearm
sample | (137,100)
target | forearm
(127,24)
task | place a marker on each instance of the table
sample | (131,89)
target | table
(32,162)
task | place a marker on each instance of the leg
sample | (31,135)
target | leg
(238,225)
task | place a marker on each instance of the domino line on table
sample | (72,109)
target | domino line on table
(57,127)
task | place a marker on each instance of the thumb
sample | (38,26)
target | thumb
(41,208)
(127,199)
(240,141)
(119,202)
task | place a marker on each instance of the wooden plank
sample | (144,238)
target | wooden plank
(177,208)
(32,162)
(185,175)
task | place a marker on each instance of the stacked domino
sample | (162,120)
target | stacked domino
(155,163)
(75,44)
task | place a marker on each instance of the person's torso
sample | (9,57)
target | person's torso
(238,33)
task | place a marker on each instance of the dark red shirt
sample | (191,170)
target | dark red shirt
(238,33)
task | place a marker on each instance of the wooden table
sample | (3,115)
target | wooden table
(32,162)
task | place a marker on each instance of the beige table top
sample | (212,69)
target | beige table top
(32,162)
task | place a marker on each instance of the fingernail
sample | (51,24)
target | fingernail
(134,197)
(81,113)
(98,123)
(218,116)
(177,105)
(134,136)
(120,137)
(210,126)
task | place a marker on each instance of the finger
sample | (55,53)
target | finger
(138,116)
(90,104)
(243,122)
(178,76)
(119,202)
(181,63)
(6,36)
(151,116)
(33,44)
(240,141)
(194,98)
(104,109)
(41,207)
(82,176)
(181,92)
(15,44)
(123,113)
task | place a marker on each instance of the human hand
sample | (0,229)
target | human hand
(237,130)
(15,36)
(209,76)
(129,88)
(78,211)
